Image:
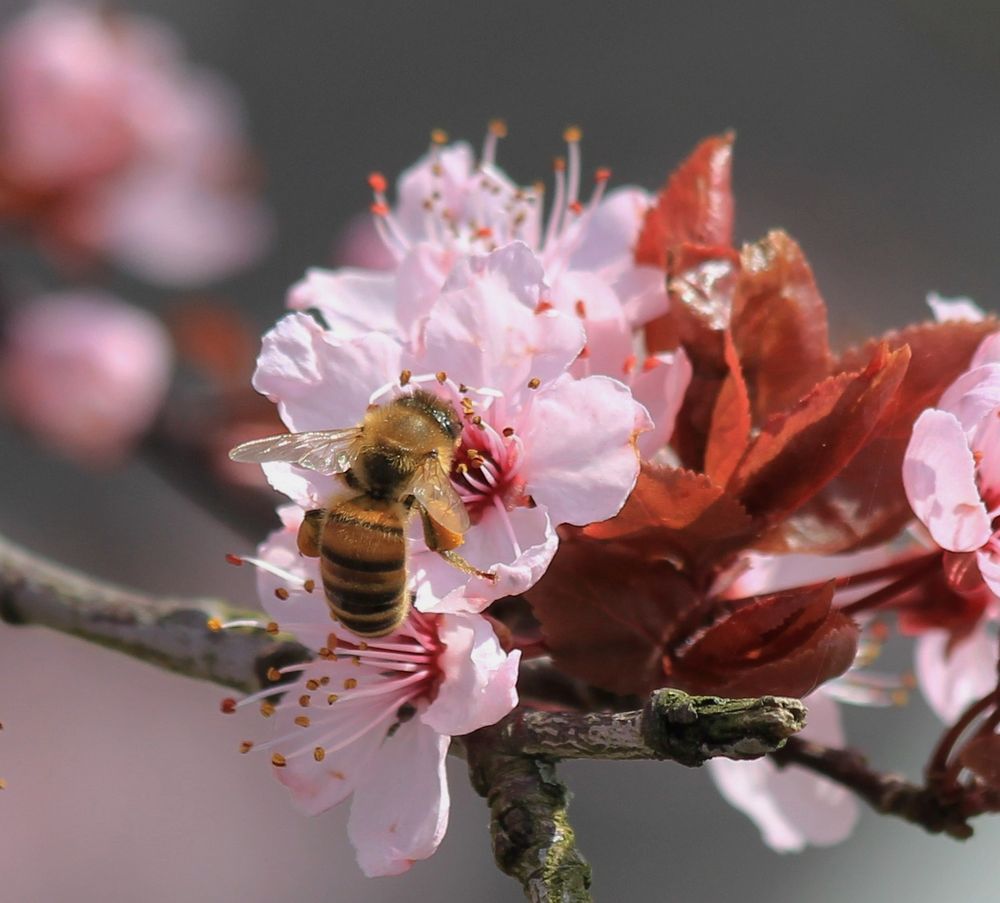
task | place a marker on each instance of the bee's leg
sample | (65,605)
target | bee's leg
(310,529)
(443,541)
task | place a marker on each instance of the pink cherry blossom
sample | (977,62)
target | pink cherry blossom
(451,206)
(84,373)
(111,143)
(791,806)
(955,672)
(375,720)
(539,447)
(951,471)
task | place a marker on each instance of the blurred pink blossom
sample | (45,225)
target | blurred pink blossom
(375,719)
(955,672)
(539,447)
(112,143)
(791,806)
(84,373)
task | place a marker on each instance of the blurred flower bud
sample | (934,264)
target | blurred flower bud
(84,373)
(113,144)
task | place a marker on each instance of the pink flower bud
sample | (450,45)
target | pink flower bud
(84,373)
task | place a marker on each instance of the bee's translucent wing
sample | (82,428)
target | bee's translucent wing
(432,488)
(325,451)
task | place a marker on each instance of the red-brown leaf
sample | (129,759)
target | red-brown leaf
(785,644)
(729,433)
(607,611)
(695,205)
(865,504)
(779,325)
(940,353)
(679,514)
(799,452)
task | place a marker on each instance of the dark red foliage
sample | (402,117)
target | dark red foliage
(680,515)
(619,619)
(785,644)
(798,452)
(940,352)
(864,504)
(729,431)
(695,205)
(607,610)
(951,597)
(779,325)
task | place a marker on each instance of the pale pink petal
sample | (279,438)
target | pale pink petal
(973,396)
(643,294)
(579,448)
(988,351)
(317,382)
(660,389)
(478,685)
(609,239)
(303,613)
(483,337)
(419,278)
(954,309)
(757,573)
(792,807)
(952,680)
(609,337)
(419,183)
(400,810)
(512,271)
(317,786)
(489,546)
(939,475)
(352,302)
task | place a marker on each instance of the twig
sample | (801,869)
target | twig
(888,794)
(532,838)
(672,725)
(175,634)
(511,765)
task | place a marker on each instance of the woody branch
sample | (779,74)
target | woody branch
(175,634)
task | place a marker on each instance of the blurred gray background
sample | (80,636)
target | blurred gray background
(868,129)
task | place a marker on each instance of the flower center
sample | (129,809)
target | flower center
(485,469)
(351,688)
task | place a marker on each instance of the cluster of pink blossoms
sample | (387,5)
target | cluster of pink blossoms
(534,321)
(113,145)
(525,325)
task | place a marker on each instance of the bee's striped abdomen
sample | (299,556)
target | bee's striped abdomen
(363,565)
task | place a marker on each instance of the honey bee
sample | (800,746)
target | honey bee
(398,459)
